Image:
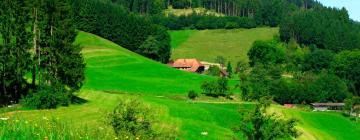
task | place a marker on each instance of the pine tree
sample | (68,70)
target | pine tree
(229,69)
(61,61)
(14,49)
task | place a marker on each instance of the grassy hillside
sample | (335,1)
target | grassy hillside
(110,67)
(232,44)
(114,73)
(323,125)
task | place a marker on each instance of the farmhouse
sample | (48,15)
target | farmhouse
(191,65)
(327,106)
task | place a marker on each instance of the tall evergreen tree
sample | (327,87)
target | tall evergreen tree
(61,61)
(15,57)
(229,69)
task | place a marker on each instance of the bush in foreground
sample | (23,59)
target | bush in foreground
(257,125)
(132,119)
(192,95)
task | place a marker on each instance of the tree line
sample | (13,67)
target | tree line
(201,21)
(236,7)
(322,27)
(37,46)
(264,12)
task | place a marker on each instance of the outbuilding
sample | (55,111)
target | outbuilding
(327,106)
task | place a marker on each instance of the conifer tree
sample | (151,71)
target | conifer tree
(229,69)
(14,49)
(61,61)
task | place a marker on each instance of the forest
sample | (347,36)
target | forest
(38,46)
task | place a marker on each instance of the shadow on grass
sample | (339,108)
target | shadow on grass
(78,100)
(113,92)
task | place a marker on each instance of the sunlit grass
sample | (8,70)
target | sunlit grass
(206,45)
(48,129)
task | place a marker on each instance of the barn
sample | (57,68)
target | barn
(190,65)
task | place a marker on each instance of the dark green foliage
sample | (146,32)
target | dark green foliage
(266,53)
(295,56)
(231,25)
(256,125)
(126,29)
(213,71)
(216,88)
(329,88)
(142,6)
(46,98)
(55,61)
(14,54)
(229,69)
(149,48)
(289,91)
(132,119)
(256,84)
(192,95)
(347,66)
(327,28)
(66,62)
(272,12)
(352,105)
(318,60)
(241,67)
(59,60)
(238,14)
(309,88)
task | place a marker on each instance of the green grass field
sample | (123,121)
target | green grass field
(110,67)
(114,73)
(231,44)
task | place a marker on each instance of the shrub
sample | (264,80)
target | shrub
(213,71)
(215,88)
(231,25)
(192,94)
(46,98)
(132,119)
(318,60)
(266,52)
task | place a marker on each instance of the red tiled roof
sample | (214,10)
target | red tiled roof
(192,64)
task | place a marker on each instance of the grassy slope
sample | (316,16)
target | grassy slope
(187,118)
(110,67)
(113,71)
(179,37)
(232,44)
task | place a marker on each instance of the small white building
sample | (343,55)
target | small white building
(327,106)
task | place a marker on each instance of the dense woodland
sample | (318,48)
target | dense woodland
(37,46)
(264,12)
